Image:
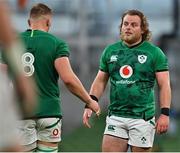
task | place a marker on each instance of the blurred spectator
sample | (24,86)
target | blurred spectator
(9,112)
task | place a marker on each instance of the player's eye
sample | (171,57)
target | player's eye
(125,23)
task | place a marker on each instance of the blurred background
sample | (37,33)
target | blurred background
(88,26)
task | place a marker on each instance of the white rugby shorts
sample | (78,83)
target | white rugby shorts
(140,133)
(43,129)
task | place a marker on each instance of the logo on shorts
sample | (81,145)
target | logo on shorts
(143,139)
(126,71)
(111,127)
(55,132)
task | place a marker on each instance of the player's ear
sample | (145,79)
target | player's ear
(48,23)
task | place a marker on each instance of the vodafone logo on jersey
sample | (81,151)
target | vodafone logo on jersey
(126,71)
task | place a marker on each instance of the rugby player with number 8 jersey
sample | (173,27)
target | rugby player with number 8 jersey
(46,59)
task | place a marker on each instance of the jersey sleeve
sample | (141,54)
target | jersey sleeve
(62,49)
(161,62)
(103,61)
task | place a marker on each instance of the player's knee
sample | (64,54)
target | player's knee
(47,148)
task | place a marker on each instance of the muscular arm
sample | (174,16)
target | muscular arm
(99,84)
(163,80)
(70,79)
(97,89)
(72,82)
(164,87)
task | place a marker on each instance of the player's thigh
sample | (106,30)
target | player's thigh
(114,144)
(140,149)
(115,135)
(141,133)
(49,129)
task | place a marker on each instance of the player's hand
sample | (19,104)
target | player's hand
(94,106)
(86,116)
(162,124)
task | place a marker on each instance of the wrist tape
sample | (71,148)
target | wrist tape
(165,111)
(94,98)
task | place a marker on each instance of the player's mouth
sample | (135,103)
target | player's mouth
(128,33)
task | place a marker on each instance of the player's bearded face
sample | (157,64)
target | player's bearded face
(130,39)
(131,31)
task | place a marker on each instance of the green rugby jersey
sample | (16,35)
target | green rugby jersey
(132,78)
(42,51)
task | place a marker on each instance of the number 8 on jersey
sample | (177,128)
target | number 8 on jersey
(28,60)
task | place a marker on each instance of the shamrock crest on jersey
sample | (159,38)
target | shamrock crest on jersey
(142,58)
